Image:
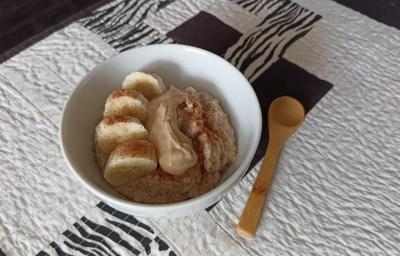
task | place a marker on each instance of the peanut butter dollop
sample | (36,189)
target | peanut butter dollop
(174,149)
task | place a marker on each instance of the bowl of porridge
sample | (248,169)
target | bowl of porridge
(161,130)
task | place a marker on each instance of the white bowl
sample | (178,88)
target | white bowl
(182,66)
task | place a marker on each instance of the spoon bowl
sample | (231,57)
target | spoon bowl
(286,112)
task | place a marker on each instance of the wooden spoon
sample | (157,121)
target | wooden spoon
(284,116)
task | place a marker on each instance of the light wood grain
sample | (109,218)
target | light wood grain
(284,116)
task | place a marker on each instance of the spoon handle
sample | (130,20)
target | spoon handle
(249,220)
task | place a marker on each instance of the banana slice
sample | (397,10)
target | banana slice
(129,161)
(149,84)
(114,130)
(126,102)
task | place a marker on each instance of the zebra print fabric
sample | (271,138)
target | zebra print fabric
(108,19)
(255,6)
(138,35)
(258,48)
(163,3)
(109,232)
(120,23)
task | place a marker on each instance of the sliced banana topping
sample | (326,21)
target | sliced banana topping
(114,130)
(149,84)
(129,161)
(126,102)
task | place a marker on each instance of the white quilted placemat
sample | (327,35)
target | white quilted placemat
(337,186)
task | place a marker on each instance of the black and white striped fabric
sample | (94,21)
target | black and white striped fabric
(110,19)
(260,47)
(109,232)
(120,23)
(255,6)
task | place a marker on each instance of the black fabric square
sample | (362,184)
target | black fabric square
(207,32)
(285,78)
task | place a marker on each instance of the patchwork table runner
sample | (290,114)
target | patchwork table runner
(337,185)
